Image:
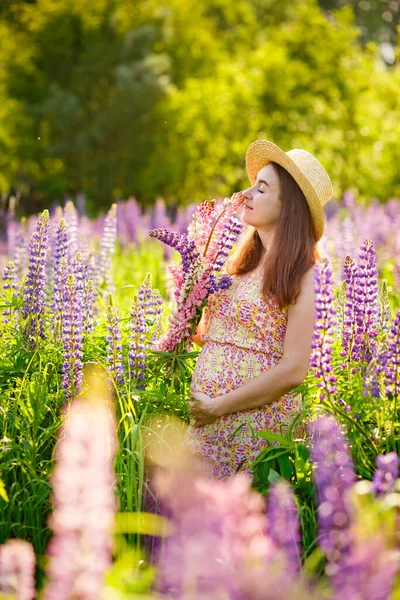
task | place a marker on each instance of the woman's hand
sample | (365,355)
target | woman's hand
(174,321)
(203,409)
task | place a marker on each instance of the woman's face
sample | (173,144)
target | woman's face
(263,204)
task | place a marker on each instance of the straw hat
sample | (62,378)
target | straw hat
(305,169)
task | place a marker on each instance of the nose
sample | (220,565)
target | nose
(247,193)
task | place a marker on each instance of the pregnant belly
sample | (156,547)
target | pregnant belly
(221,368)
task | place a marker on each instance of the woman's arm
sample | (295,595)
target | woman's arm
(293,366)
(197,337)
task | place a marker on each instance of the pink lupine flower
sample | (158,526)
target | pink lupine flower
(17,570)
(84,503)
(204,249)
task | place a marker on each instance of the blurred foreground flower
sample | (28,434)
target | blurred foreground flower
(283,523)
(359,569)
(386,473)
(84,502)
(333,476)
(17,570)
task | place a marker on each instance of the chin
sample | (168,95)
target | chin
(243,217)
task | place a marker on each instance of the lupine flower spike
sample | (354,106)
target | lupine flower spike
(387,472)
(72,337)
(20,250)
(71,220)
(89,298)
(60,259)
(10,286)
(321,355)
(333,477)
(366,304)
(137,345)
(114,345)
(35,284)
(391,359)
(84,503)
(283,523)
(349,322)
(108,248)
(17,570)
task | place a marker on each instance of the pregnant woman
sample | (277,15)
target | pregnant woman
(256,335)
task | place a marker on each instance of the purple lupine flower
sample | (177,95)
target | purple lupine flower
(385,313)
(10,285)
(114,347)
(219,283)
(333,477)
(61,257)
(145,296)
(35,285)
(158,217)
(137,345)
(84,502)
(158,327)
(85,291)
(391,359)
(284,524)
(72,338)
(79,268)
(71,220)
(20,251)
(89,298)
(17,570)
(108,248)
(321,355)
(229,235)
(128,221)
(180,242)
(371,378)
(349,323)
(59,286)
(11,232)
(386,473)
(366,305)
(367,573)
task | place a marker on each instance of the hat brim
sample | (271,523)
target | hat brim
(262,152)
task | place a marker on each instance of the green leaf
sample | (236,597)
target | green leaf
(303,452)
(273,476)
(286,466)
(3,493)
(141,523)
(275,437)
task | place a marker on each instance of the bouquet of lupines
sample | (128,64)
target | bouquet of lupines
(204,249)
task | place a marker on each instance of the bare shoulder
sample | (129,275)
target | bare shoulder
(306,295)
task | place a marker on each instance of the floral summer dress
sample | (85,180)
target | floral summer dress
(243,337)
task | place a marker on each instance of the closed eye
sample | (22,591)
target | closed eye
(260,191)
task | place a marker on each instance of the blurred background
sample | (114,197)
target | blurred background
(106,99)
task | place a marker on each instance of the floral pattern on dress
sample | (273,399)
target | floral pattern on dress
(244,336)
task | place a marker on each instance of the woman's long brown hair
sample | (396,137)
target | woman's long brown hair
(293,252)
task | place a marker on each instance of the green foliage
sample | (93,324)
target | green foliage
(147,98)
(32,398)
(288,457)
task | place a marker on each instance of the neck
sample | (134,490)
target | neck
(267,238)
